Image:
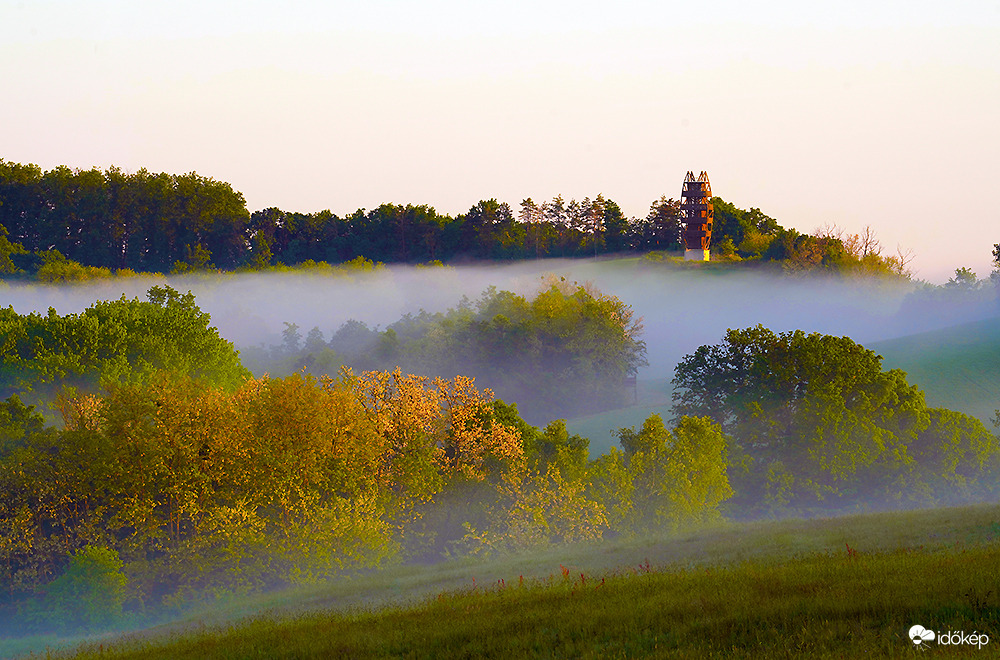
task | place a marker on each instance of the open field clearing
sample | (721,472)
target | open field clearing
(771,589)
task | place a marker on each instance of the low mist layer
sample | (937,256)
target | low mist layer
(682,308)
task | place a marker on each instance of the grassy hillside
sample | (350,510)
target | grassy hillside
(957,367)
(841,587)
(653,398)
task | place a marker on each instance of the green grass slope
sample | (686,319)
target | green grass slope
(653,397)
(956,367)
(815,607)
(840,587)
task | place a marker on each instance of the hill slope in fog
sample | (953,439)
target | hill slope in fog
(957,367)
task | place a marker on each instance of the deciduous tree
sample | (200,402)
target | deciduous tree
(819,416)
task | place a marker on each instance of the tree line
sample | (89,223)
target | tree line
(65,225)
(113,341)
(154,495)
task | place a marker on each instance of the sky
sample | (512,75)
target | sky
(848,113)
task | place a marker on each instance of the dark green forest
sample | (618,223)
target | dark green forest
(71,225)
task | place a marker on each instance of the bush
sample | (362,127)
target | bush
(57,269)
(89,594)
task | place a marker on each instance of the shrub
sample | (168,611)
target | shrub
(89,594)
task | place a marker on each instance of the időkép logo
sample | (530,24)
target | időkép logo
(921,637)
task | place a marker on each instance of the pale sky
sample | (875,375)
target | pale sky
(850,113)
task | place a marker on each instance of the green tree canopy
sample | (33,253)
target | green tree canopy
(116,341)
(816,422)
(675,478)
(7,248)
(750,231)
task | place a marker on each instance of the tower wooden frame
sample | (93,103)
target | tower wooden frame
(697,215)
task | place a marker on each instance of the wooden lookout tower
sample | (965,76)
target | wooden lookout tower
(697,214)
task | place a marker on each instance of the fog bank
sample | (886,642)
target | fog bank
(682,308)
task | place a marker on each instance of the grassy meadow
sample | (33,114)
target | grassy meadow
(837,587)
(653,398)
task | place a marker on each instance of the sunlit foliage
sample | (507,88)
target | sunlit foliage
(815,422)
(201,488)
(677,478)
(114,341)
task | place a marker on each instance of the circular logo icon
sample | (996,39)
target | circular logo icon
(920,635)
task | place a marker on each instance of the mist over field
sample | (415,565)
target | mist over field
(681,308)
(951,338)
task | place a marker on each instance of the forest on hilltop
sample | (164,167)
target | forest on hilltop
(71,225)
